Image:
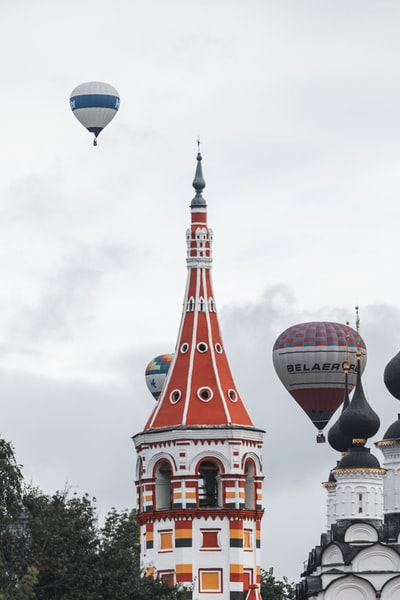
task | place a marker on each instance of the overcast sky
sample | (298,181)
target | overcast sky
(297,106)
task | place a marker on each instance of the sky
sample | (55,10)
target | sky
(296,103)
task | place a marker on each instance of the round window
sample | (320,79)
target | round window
(232,395)
(184,348)
(205,394)
(202,347)
(175,396)
(218,348)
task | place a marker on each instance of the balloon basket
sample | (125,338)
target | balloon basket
(321,438)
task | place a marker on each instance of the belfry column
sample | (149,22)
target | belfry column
(199,468)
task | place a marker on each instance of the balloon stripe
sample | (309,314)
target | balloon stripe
(94,100)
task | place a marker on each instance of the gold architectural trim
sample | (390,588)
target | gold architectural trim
(359,470)
(388,443)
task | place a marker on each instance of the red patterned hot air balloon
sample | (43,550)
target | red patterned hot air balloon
(308,359)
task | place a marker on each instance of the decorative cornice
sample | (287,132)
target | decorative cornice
(197,513)
(216,434)
(384,443)
(358,470)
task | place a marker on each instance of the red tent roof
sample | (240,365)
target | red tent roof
(199,389)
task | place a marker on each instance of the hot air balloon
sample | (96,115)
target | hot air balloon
(308,359)
(156,373)
(94,104)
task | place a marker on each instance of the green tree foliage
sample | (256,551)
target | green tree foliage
(150,588)
(63,545)
(15,571)
(274,589)
(11,482)
(119,555)
(53,548)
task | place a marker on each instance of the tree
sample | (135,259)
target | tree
(157,589)
(11,482)
(120,564)
(119,555)
(63,539)
(273,589)
(26,588)
(17,576)
(52,548)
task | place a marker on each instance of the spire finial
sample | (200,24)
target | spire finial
(346,356)
(358,351)
(359,420)
(198,182)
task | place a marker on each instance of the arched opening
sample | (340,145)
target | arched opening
(190,304)
(139,476)
(209,484)
(249,486)
(163,486)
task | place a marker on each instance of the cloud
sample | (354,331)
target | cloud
(36,330)
(296,107)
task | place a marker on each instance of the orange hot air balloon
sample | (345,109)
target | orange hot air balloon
(308,359)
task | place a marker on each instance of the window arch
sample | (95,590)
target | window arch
(139,476)
(163,485)
(249,485)
(209,490)
(190,304)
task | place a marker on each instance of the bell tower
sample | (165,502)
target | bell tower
(199,466)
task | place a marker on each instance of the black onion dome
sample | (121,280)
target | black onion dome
(391,376)
(359,420)
(393,432)
(359,457)
(336,438)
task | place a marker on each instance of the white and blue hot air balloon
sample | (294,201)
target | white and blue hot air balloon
(94,104)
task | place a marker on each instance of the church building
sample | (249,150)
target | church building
(199,466)
(358,557)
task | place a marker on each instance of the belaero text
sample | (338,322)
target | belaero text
(302,367)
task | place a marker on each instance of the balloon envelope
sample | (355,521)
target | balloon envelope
(308,359)
(156,373)
(94,104)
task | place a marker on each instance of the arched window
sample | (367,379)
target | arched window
(209,484)
(163,486)
(249,486)
(139,475)
(190,305)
